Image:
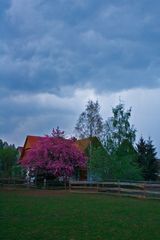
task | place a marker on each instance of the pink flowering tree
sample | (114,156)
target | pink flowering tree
(55,155)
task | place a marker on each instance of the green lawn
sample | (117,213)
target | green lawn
(36,215)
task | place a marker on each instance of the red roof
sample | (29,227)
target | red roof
(31,140)
(29,143)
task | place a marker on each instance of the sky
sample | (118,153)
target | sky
(55,55)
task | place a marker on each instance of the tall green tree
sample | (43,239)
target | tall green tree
(125,162)
(142,152)
(8,158)
(122,165)
(90,122)
(100,164)
(147,159)
(118,128)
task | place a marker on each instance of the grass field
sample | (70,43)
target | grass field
(38,215)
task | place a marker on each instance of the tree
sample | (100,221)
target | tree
(55,155)
(142,153)
(90,121)
(8,158)
(125,165)
(100,164)
(147,159)
(122,165)
(118,128)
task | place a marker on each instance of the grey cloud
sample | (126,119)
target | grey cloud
(108,41)
(33,114)
(55,47)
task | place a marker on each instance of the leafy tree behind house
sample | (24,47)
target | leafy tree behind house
(147,159)
(122,165)
(90,151)
(100,164)
(118,128)
(125,161)
(90,122)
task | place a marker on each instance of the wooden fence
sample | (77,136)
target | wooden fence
(22,183)
(12,182)
(131,189)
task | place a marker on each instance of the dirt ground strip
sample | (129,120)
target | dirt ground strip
(36,192)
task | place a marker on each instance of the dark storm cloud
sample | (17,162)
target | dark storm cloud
(50,44)
(49,49)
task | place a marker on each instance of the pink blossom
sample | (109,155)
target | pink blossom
(56,155)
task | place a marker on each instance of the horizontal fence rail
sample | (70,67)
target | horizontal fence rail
(12,182)
(23,183)
(124,188)
(131,189)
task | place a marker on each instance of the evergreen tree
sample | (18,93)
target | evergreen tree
(142,152)
(147,159)
(151,172)
(8,158)
(90,121)
(1,144)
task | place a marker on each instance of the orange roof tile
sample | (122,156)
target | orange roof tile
(29,142)
(82,144)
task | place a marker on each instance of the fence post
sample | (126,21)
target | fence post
(144,189)
(119,188)
(44,183)
(14,182)
(97,186)
(69,185)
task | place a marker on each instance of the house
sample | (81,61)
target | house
(85,145)
(30,141)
